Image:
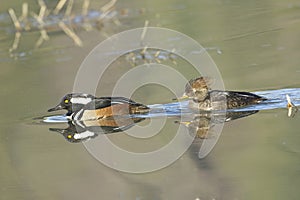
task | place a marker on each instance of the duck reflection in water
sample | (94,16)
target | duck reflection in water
(199,126)
(202,124)
(79,131)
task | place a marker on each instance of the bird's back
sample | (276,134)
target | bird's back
(235,99)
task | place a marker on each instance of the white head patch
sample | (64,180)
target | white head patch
(84,135)
(80,100)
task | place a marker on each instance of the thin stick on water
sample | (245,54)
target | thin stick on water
(116,22)
(18,29)
(39,42)
(42,13)
(144,31)
(44,34)
(24,12)
(69,8)
(44,37)
(85,7)
(15,19)
(59,6)
(144,50)
(157,60)
(133,59)
(101,17)
(70,33)
(171,58)
(292,109)
(43,9)
(16,41)
(143,54)
(157,53)
(105,10)
(41,3)
(39,19)
(107,7)
(156,56)
(24,17)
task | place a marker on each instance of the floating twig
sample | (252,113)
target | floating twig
(106,9)
(109,6)
(69,8)
(24,12)
(24,17)
(292,109)
(70,33)
(16,41)
(15,19)
(59,6)
(43,10)
(85,7)
(39,18)
(144,31)
(18,30)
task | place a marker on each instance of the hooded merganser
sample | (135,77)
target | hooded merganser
(87,107)
(204,98)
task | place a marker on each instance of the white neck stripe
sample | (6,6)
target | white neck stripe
(76,117)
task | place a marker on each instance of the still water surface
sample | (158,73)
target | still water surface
(256,157)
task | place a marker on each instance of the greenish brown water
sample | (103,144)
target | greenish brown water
(255,158)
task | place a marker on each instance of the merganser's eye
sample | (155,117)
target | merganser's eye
(66,101)
(69,136)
